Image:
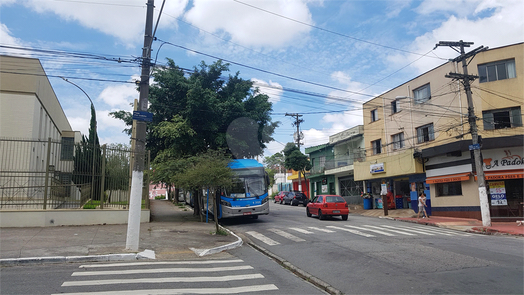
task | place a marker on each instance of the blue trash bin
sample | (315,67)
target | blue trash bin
(368,204)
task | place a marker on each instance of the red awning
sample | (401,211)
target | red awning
(503,174)
(448,178)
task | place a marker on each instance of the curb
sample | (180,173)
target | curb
(203,252)
(70,259)
(297,271)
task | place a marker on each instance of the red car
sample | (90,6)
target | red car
(279,198)
(328,205)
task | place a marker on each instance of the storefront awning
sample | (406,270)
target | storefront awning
(448,178)
(503,174)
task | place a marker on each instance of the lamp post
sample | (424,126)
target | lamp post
(94,142)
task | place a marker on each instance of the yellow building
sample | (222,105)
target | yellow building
(417,137)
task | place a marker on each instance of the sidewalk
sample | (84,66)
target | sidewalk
(173,233)
(463,224)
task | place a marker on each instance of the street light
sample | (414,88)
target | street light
(94,142)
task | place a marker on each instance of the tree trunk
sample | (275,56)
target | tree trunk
(168,192)
(175,197)
(215,208)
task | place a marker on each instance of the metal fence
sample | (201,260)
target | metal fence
(36,174)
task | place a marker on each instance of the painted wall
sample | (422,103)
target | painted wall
(395,165)
(41,218)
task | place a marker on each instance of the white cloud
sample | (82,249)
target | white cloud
(119,96)
(345,97)
(339,122)
(7,39)
(250,26)
(271,89)
(124,20)
(502,25)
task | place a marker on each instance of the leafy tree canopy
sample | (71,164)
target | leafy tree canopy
(295,159)
(203,110)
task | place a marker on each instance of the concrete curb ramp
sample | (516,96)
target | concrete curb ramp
(146,254)
(204,252)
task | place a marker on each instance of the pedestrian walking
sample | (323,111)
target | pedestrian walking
(422,205)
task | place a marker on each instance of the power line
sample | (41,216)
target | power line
(335,33)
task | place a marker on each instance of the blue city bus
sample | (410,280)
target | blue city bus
(248,195)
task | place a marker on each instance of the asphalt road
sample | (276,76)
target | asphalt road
(367,255)
(244,271)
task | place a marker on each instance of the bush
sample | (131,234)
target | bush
(273,195)
(161,197)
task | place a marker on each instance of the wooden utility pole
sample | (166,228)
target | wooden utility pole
(465,78)
(137,180)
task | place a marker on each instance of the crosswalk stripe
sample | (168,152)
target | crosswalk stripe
(410,230)
(423,229)
(163,280)
(351,231)
(262,238)
(160,263)
(371,230)
(160,270)
(322,229)
(233,290)
(286,235)
(301,230)
(391,230)
(446,231)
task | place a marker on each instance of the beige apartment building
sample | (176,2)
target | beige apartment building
(417,138)
(33,127)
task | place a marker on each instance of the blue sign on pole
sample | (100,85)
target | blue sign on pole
(142,116)
(474,146)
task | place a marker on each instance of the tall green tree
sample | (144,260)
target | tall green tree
(296,160)
(208,171)
(87,161)
(223,113)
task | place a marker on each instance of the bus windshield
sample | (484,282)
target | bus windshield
(248,187)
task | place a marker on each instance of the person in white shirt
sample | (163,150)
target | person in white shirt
(422,205)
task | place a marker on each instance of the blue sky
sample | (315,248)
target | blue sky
(344,52)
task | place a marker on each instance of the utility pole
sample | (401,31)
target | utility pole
(298,138)
(472,119)
(137,180)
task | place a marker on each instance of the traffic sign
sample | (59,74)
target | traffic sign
(142,116)
(474,146)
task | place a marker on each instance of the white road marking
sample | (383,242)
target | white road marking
(322,229)
(262,238)
(442,231)
(371,230)
(234,290)
(301,230)
(410,230)
(286,235)
(392,230)
(160,263)
(351,231)
(163,280)
(159,270)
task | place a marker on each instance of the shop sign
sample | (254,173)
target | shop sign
(376,168)
(497,191)
(502,159)
(383,189)
(324,188)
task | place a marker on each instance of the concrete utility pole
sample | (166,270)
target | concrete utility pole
(483,196)
(137,180)
(298,138)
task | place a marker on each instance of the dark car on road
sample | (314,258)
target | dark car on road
(295,198)
(328,205)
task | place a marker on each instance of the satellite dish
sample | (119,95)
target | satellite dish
(298,136)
